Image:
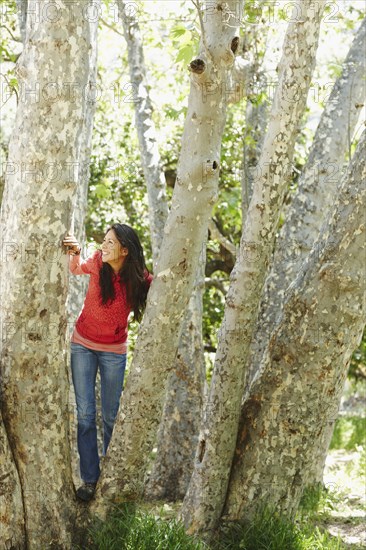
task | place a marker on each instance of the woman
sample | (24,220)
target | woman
(119,283)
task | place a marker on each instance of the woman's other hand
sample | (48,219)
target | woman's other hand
(72,245)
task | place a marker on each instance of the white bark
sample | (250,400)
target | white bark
(207,490)
(41,180)
(316,190)
(184,233)
(183,402)
(179,427)
(78,285)
(256,119)
(22,6)
(11,504)
(146,131)
(296,392)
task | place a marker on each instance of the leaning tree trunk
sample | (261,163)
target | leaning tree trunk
(184,234)
(150,158)
(22,8)
(184,394)
(11,503)
(297,389)
(207,490)
(179,428)
(316,189)
(43,153)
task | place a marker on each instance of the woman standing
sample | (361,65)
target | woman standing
(119,282)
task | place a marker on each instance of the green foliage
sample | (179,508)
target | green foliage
(349,432)
(357,367)
(270,531)
(185,38)
(318,500)
(130,529)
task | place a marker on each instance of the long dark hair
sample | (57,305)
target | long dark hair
(132,273)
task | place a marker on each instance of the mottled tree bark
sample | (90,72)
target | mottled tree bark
(11,503)
(78,285)
(296,392)
(316,190)
(179,428)
(146,131)
(184,233)
(207,490)
(42,175)
(22,6)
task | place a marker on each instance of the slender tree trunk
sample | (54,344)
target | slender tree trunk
(256,119)
(11,503)
(150,158)
(296,392)
(78,285)
(184,234)
(179,428)
(22,7)
(42,177)
(316,189)
(183,402)
(207,490)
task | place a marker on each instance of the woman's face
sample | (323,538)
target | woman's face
(112,251)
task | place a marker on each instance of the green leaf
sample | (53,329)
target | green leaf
(185,54)
(178,31)
(102,191)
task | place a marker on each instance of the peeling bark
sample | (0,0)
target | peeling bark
(22,7)
(316,190)
(11,503)
(78,285)
(183,402)
(185,231)
(150,158)
(203,503)
(44,152)
(296,392)
(179,428)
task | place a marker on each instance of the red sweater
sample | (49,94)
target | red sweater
(104,324)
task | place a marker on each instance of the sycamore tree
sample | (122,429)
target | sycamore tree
(260,437)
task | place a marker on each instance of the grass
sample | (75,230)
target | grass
(269,531)
(148,527)
(317,501)
(130,528)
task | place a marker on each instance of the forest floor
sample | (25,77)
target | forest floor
(345,474)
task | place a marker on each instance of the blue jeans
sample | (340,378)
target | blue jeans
(84,366)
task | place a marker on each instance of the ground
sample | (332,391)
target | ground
(345,476)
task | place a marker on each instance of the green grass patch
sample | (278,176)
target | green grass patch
(317,500)
(128,528)
(270,531)
(349,432)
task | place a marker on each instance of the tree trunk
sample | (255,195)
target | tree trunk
(316,189)
(179,428)
(150,158)
(207,490)
(43,153)
(296,392)
(11,503)
(179,425)
(78,285)
(184,234)
(22,8)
